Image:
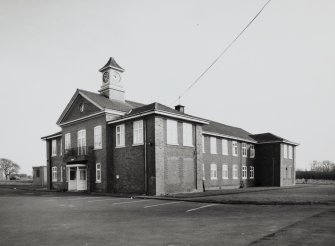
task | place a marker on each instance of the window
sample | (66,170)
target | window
(203,172)
(244,172)
(224,146)
(54,147)
(203,144)
(213,145)
(37,173)
(97,137)
(67,174)
(252,151)
(244,149)
(235,172)
(61,147)
(171,132)
(235,148)
(214,172)
(67,142)
(290,152)
(138,132)
(252,172)
(224,171)
(54,174)
(285,151)
(187,134)
(61,174)
(98,173)
(81,142)
(120,136)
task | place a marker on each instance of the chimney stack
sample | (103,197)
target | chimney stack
(180,108)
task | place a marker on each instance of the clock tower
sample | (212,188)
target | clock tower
(112,86)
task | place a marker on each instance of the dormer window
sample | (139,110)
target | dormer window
(81,107)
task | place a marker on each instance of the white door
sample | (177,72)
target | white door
(82,178)
(72,178)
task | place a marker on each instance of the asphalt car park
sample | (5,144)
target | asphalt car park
(49,218)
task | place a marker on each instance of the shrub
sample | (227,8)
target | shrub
(315,175)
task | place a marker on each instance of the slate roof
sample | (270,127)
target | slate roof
(107,103)
(223,129)
(54,135)
(111,64)
(269,137)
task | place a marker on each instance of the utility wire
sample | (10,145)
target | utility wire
(221,54)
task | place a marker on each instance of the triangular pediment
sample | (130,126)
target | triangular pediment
(78,107)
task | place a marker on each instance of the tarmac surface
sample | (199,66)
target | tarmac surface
(30,217)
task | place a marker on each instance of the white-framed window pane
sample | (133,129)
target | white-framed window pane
(120,136)
(214,172)
(235,172)
(54,174)
(187,134)
(252,172)
(203,144)
(203,172)
(224,146)
(67,141)
(67,174)
(97,137)
(213,145)
(138,132)
(290,152)
(252,151)
(54,147)
(98,173)
(244,149)
(172,132)
(285,151)
(224,171)
(81,143)
(244,172)
(235,148)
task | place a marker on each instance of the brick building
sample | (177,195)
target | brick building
(109,144)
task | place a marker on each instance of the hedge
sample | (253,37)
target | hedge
(315,175)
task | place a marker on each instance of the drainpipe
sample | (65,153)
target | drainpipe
(195,157)
(145,157)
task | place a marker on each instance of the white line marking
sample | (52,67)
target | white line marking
(161,204)
(82,198)
(209,205)
(115,203)
(110,199)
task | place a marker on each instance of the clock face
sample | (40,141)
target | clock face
(105,77)
(116,77)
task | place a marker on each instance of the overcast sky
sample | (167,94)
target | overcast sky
(279,77)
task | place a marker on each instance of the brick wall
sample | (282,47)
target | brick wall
(287,176)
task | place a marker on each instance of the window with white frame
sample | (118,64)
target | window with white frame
(54,174)
(81,144)
(67,174)
(235,171)
(224,146)
(214,172)
(203,172)
(120,136)
(290,152)
(244,149)
(252,151)
(285,151)
(54,147)
(98,173)
(61,174)
(172,132)
(97,137)
(213,145)
(138,132)
(67,142)
(203,144)
(252,172)
(235,148)
(244,172)
(61,147)
(224,171)
(187,134)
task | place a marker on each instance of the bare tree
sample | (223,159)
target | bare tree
(9,167)
(324,166)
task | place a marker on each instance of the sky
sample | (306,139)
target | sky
(279,77)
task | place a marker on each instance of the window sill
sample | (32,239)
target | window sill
(244,178)
(97,148)
(244,156)
(225,178)
(137,144)
(214,153)
(191,146)
(214,178)
(174,144)
(98,182)
(235,178)
(251,178)
(118,147)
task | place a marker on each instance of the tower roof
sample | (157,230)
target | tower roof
(111,64)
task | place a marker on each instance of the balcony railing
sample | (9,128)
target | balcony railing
(79,153)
